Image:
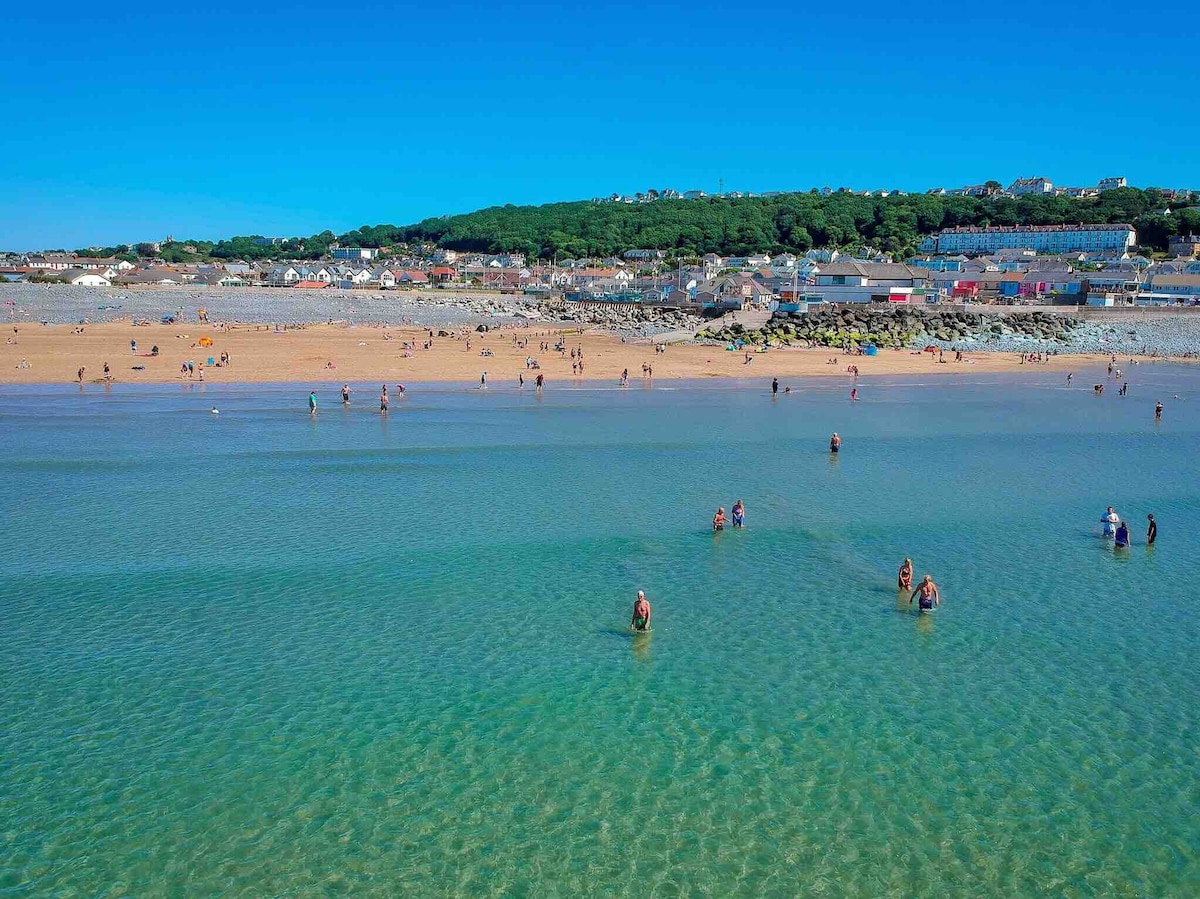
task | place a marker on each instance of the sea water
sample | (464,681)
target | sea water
(261,653)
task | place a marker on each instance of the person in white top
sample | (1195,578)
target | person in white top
(1110,520)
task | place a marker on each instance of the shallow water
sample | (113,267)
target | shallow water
(260,654)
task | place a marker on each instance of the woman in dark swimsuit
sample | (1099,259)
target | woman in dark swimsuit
(906,574)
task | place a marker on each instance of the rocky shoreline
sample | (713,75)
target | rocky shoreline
(1019,330)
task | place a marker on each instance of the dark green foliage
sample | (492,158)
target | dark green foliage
(729,227)
(792,222)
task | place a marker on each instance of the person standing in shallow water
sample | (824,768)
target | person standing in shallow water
(1151,530)
(312,402)
(1121,538)
(774,387)
(904,579)
(641,613)
(1158,407)
(926,594)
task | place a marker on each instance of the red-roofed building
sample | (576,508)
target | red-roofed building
(443,273)
(311,285)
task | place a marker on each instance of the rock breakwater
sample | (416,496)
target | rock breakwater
(903,327)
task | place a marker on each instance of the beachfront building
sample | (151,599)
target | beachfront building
(80,278)
(738,292)
(975,241)
(866,282)
(61,262)
(1178,286)
(1110,184)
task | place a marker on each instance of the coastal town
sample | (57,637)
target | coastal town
(1061,264)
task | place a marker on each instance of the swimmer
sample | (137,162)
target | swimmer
(927,595)
(835,443)
(1158,407)
(641,614)
(312,403)
(719,519)
(904,579)
(854,394)
(345,394)
(1151,531)
(215,411)
(1122,536)
(1110,520)
(739,514)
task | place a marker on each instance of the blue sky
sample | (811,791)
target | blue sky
(128,124)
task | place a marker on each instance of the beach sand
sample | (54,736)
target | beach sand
(54,354)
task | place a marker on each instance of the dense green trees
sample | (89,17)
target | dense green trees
(689,228)
(787,222)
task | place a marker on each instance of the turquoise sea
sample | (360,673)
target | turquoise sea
(257,654)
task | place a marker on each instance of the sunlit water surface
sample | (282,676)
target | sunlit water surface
(260,654)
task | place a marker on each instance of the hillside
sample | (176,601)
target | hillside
(728,227)
(791,221)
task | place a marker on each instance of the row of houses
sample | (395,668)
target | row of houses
(1020,187)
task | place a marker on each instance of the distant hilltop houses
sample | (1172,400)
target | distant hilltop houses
(1021,187)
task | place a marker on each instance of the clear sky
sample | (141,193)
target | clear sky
(202,121)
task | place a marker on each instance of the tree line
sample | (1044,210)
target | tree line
(729,227)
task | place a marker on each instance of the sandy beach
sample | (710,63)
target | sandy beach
(331,353)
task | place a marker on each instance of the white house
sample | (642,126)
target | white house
(80,278)
(282,276)
(1023,186)
(383,276)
